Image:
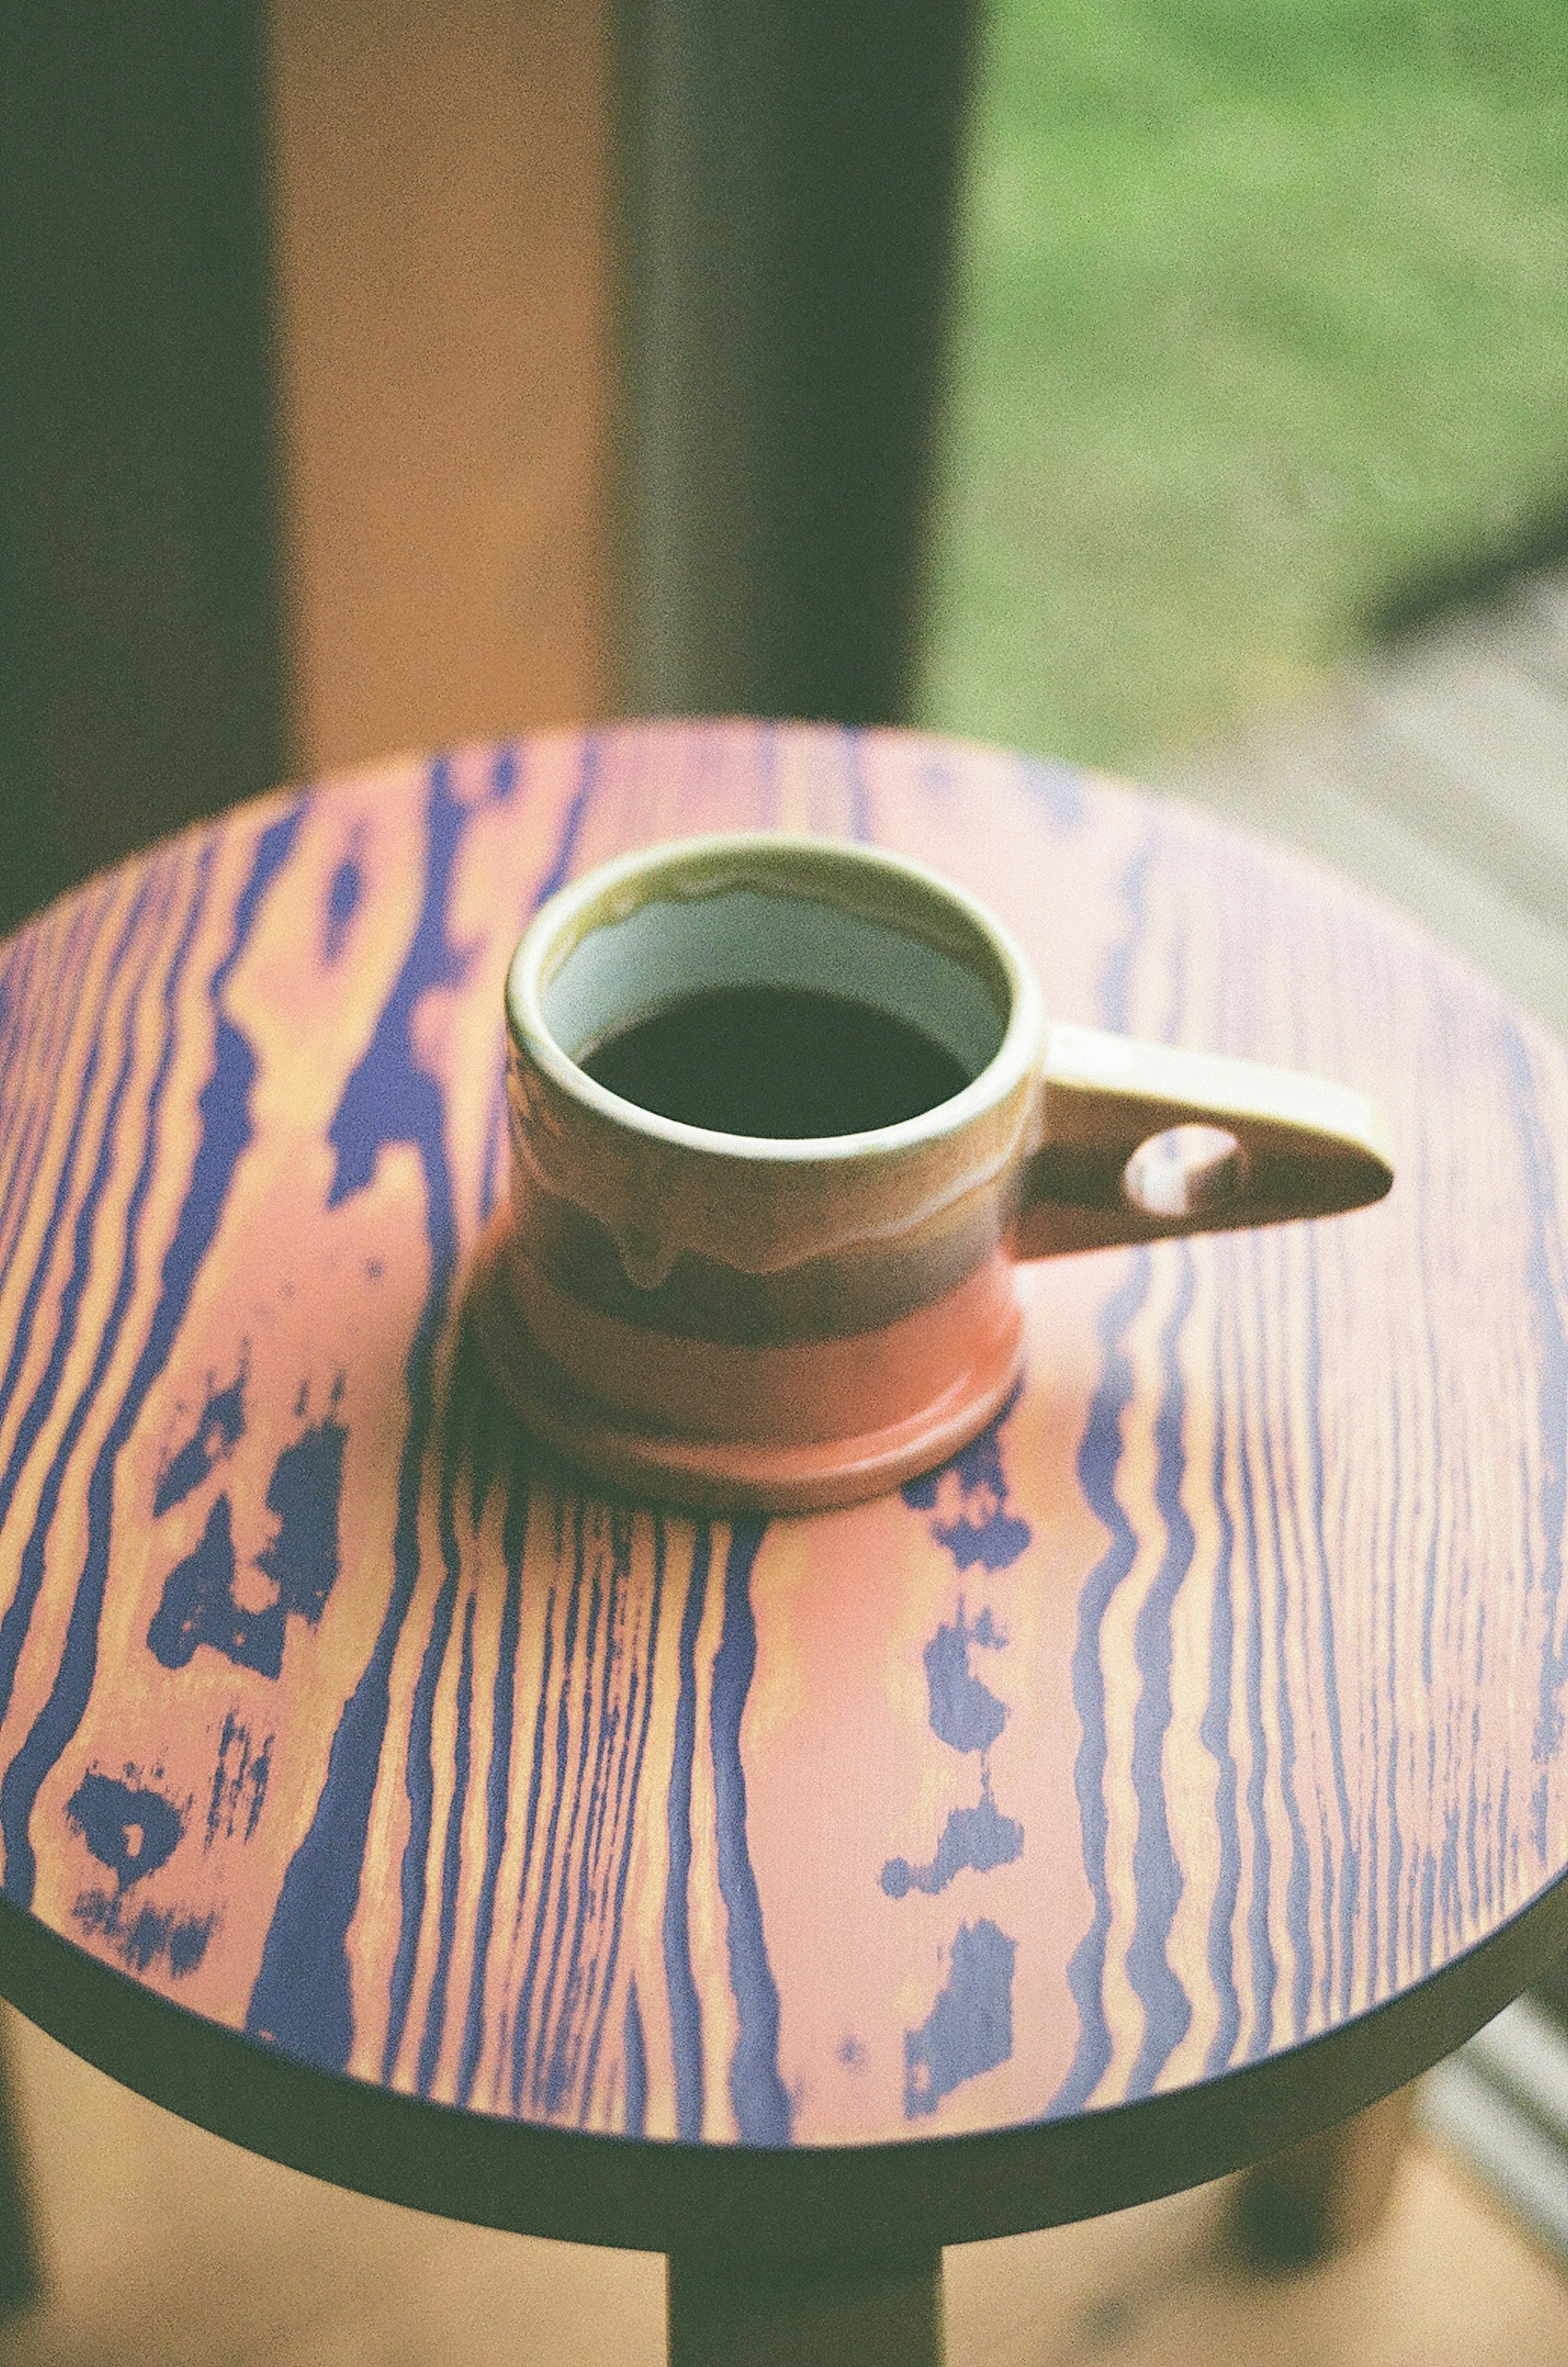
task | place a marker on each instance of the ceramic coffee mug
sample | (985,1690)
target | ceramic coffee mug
(788,1320)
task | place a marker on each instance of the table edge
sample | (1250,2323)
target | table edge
(578,2186)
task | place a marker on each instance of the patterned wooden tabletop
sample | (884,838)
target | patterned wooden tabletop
(998,1845)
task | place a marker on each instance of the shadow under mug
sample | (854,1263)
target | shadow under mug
(786,1321)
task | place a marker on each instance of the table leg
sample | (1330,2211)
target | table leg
(19,2279)
(767,2312)
(789,178)
(1323,2195)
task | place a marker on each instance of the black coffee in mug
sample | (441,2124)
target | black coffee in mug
(776,1061)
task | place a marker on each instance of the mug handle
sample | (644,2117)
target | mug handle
(1140,1142)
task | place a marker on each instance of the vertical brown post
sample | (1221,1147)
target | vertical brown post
(789,171)
(767,2312)
(442,227)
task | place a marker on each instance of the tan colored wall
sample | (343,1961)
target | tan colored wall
(441,231)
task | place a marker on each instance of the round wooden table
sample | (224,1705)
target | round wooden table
(1173,1774)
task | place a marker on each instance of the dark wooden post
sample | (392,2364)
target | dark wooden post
(789,178)
(866,2311)
(139,634)
(21,2274)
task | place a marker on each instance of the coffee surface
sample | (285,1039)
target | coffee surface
(778,1060)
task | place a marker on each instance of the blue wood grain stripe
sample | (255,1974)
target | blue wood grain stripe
(498,1781)
(589,771)
(17,1619)
(21,1013)
(388,1098)
(862,821)
(584,1964)
(589,1971)
(1548,1284)
(506,772)
(634,2047)
(1168,2011)
(48,1016)
(224,1112)
(640,1718)
(1099,1457)
(1056,789)
(1440,1884)
(345,894)
(16,955)
(28,964)
(534,2004)
(763,2111)
(523,2030)
(686,2006)
(1116,974)
(507,776)
(1214,1732)
(451,1859)
(1259,1930)
(549,2079)
(1342,1849)
(1099,1454)
(419,1768)
(1275,1512)
(41,1403)
(518,2047)
(301,1999)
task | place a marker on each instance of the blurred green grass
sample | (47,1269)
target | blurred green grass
(1263,312)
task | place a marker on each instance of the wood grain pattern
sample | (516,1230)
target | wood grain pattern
(1211,1700)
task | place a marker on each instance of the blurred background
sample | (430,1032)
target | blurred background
(1255,355)
(1261,354)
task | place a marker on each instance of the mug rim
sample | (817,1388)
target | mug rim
(1016,1055)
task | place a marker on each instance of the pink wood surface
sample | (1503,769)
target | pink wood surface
(1211,1698)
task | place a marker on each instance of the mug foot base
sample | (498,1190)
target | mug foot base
(719,1474)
